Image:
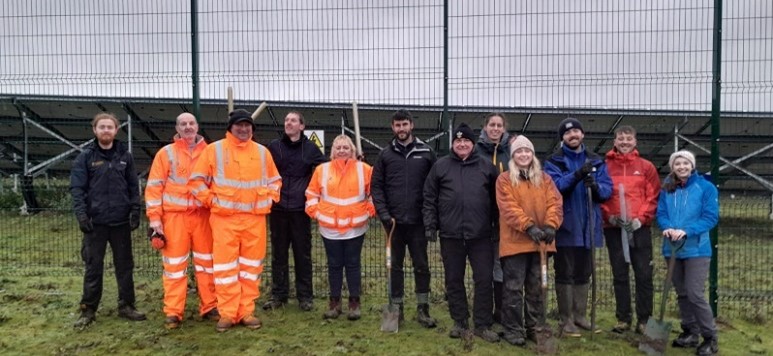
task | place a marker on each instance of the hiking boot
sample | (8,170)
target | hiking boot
(87,317)
(273,304)
(458,329)
(212,315)
(128,312)
(251,322)
(224,324)
(422,316)
(487,334)
(621,327)
(172,322)
(708,347)
(686,340)
(640,327)
(354,308)
(306,305)
(333,308)
(514,339)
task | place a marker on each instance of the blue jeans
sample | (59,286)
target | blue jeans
(340,254)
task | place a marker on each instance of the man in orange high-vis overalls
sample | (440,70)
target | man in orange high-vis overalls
(174,213)
(237,179)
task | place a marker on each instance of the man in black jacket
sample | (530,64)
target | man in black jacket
(295,158)
(106,201)
(396,186)
(460,200)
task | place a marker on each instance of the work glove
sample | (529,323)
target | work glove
(632,225)
(157,241)
(431,235)
(84,223)
(590,182)
(535,233)
(583,171)
(134,219)
(387,223)
(550,235)
(615,220)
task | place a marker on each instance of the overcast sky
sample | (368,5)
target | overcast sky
(652,54)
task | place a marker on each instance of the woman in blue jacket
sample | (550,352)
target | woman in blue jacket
(687,209)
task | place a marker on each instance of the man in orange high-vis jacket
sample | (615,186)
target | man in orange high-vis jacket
(174,213)
(237,180)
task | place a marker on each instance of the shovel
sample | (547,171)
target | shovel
(546,343)
(390,317)
(656,333)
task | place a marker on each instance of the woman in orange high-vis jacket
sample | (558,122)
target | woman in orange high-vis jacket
(530,211)
(174,213)
(237,180)
(338,197)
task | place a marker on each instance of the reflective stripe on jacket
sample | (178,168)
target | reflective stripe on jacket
(167,188)
(338,195)
(234,177)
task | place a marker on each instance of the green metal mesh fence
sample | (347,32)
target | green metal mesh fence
(651,57)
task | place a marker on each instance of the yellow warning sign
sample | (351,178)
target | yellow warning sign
(317,137)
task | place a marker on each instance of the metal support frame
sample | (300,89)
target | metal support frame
(760,180)
(43,166)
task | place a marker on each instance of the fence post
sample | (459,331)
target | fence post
(716,86)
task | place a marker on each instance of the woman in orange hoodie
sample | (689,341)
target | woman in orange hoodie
(338,197)
(530,211)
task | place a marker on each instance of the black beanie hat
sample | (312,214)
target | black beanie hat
(464,131)
(238,115)
(568,124)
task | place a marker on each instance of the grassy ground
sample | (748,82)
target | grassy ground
(37,313)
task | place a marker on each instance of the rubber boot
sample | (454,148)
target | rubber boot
(497,302)
(580,307)
(354,308)
(564,299)
(334,308)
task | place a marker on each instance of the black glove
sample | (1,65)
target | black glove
(134,220)
(535,233)
(431,235)
(583,171)
(387,224)
(590,182)
(550,235)
(84,223)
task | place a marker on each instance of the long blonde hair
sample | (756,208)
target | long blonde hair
(534,173)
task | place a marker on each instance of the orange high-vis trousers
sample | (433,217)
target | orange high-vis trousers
(186,232)
(239,250)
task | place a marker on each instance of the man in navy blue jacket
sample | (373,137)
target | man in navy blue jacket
(574,169)
(295,158)
(106,201)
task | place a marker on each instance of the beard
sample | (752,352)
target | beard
(106,139)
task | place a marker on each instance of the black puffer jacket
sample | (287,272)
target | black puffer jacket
(105,189)
(460,197)
(296,162)
(398,178)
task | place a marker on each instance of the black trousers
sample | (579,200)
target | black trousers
(412,237)
(641,262)
(572,265)
(93,254)
(291,229)
(455,253)
(521,282)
